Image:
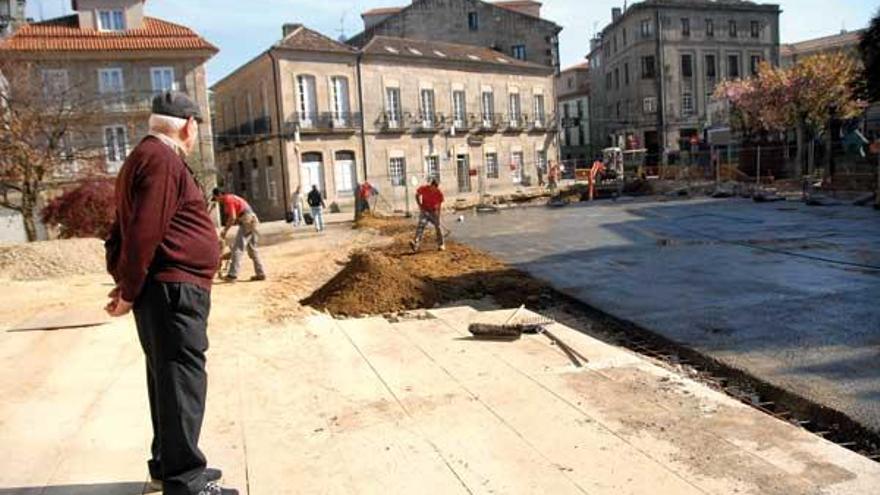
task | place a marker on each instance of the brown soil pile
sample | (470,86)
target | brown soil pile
(394,279)
(372,283)
(384,225)
(52,259)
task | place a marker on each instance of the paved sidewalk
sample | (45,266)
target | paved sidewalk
(785,291)
(370,407)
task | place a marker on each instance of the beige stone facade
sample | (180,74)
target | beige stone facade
(320,136)
(514,28)
(573,92)
(655,67)
(113,72)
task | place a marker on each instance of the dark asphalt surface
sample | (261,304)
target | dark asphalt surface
(788,292)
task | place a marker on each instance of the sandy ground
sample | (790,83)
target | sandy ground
(301,403)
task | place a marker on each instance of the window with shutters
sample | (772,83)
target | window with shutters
(429,118)
(340,99)
(459,109)
(488,108)
(392,107)
(308,101)
(687,66)
(539,110)
(162,79)
(432,167)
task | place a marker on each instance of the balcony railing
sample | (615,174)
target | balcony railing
(472,123)
(126,102)
(245,133)
(323,122)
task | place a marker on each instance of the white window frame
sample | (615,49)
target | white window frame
(432,167)
(340,102)
(459,108)
(492,170)
(487,108)
(162,72)
(427,107)
(344,176)
(120,150)
(515,109)
(102,87)
(392,106)
(397,171)
(307,99)
(115,18)
(540,111)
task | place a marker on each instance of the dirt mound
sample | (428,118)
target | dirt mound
(384,225)
(372,283)
(393,279)
(52,259)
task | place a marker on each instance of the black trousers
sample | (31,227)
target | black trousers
(172,323)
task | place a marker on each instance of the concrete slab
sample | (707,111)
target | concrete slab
(785,291)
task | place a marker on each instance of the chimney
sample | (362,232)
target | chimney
(289,28)
(616,12)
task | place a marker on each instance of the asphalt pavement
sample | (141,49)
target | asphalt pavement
(788,292)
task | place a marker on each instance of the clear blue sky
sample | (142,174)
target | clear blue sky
(244,29)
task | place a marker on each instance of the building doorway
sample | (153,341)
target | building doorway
(463,168)
(345,172)
(312,172)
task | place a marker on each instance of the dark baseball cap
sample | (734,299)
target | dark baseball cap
(176,104)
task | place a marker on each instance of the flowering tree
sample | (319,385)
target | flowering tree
(806,97)
(38,126)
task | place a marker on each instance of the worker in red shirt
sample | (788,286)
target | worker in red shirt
(239,212)
(430,200)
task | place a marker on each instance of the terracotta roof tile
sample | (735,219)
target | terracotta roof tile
(64,35)
(303,38)
(437,51)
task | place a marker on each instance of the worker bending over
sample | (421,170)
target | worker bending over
(430,200)
(239,212)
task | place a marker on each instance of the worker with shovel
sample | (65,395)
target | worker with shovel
(239,212)
(430,200)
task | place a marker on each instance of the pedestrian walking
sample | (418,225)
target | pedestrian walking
(296,207)
(163,252)
(316,203)
(239,212)
(430,200)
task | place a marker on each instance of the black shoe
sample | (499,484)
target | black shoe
(213,488)
(210,474)
(230,279)
(258,278)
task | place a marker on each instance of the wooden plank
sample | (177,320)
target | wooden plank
(63,318)
(318,420)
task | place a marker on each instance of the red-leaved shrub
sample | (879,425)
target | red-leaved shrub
(86,210)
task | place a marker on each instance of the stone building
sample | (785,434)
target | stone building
(573,92)
(479,121)
(291,117)
(655,67)
(12,15)
(511,27)
(112,58)
(846,42)
(312,111)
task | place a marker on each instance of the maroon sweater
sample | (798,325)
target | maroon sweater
(162,229)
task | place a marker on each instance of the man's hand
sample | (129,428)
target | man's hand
(117,305)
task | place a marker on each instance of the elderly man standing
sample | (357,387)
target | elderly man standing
(163,252)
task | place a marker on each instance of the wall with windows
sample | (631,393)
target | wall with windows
(118,93)
(425,120)
(474,23)
(686,51)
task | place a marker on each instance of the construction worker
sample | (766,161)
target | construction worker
(430,200)
(239,212)
(597,169)
(162,254)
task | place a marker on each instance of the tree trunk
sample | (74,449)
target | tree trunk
(30,224)
(799,156)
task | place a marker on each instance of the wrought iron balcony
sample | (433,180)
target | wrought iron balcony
(324,122)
